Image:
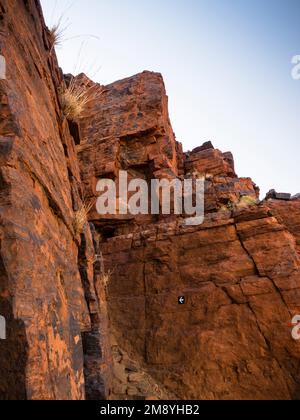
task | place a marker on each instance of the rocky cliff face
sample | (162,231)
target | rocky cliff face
(239,271)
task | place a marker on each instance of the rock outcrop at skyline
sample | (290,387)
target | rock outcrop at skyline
(70,335)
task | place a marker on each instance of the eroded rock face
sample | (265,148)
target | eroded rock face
(47,292)
(241,283)
(288,213)
(129,129)
(239,271)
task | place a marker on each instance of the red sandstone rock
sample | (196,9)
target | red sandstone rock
(239,271)
(234,330)
(48,299)
(288,213)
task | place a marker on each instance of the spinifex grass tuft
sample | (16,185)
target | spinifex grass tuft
(76,97)
(81,218)
(56,34)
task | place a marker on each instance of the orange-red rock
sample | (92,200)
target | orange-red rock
(239,271)
(47,282)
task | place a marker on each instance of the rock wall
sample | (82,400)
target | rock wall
(239,271)
(47,292)
(232,339)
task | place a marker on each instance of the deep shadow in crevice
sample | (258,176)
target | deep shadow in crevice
(108,232)
(95,385)
(75,132)
(13,350)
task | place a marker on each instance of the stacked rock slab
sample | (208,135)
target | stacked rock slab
(47,292)
(239,271)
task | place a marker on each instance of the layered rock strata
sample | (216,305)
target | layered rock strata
(239,271)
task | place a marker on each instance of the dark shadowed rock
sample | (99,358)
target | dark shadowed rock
(205,146)
(274,195)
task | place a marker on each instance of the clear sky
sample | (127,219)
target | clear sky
(226,64)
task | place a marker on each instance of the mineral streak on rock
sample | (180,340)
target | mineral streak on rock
(239,272)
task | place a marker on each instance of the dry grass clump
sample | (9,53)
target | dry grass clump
(81,218)
(246,201)
(56,34)
(59,25)
(105,276)
(56,31)
(75,97)
(225,209)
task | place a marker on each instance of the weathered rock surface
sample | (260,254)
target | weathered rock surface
(47,292)
(239,271)
(129,129)
(241,281)
(274,195)
(287,213)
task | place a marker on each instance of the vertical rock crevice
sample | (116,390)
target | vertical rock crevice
(13,355)
(96,363)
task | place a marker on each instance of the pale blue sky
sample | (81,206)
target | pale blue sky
(226,64)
